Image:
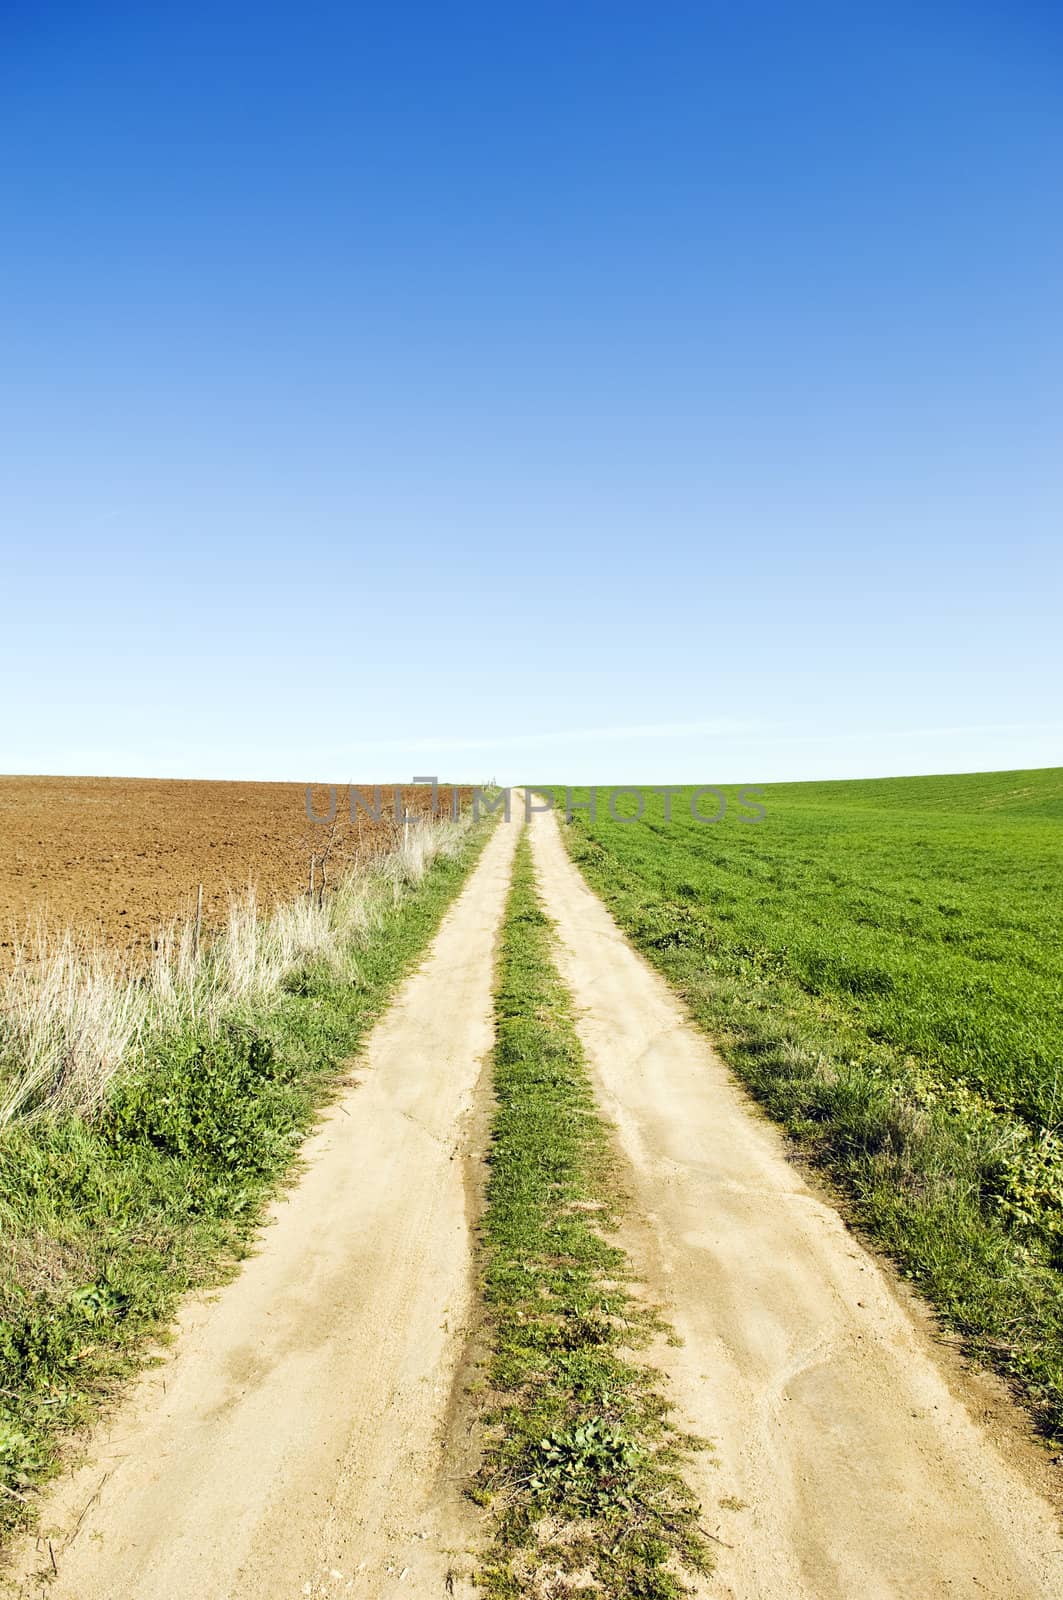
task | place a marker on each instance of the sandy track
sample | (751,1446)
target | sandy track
(295,1443)
(862,1472)
(301,1439)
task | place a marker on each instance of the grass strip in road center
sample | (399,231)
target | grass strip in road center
(582,1468)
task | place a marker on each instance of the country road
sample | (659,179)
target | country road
(305,1435)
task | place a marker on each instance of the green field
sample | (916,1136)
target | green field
(882,963)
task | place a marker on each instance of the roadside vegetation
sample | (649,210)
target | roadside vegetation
(148,1117)
(582,1470)
(72,1016)
(882,963)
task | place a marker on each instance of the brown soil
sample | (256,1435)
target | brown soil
(117,857)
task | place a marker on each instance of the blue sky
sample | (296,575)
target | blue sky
(597,392)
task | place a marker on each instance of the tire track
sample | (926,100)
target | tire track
(845,1462)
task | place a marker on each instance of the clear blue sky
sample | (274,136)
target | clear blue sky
(592,390)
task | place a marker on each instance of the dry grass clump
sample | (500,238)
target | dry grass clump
(71,1018)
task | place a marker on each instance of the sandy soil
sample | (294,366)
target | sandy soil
(861,1470)
(296,1442)
(119,856)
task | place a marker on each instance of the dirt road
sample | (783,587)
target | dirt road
(861,1473)
(295,1445)
(302,1439)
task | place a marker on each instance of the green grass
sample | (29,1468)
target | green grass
(882,963)
(582,1470)
(105,1223)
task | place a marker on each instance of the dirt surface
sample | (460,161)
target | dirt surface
(305,1436)
(117,857)
(296,1443)
(858,1470)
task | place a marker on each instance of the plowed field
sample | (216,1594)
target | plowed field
(118,856)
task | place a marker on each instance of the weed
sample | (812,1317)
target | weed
(73,1020)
